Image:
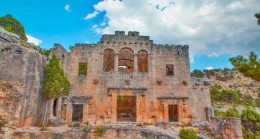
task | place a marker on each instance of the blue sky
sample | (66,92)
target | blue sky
(213,35)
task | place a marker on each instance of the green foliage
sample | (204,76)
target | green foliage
(257,103)
(43,128)
(2,122)
(10,24)
(220,95)
(257,15)
(83,68)
(100,130)
(188,134)
(55,83)
(231,112)
(248,100)
(197,73)
(251,124)
(120,99)
(248,67)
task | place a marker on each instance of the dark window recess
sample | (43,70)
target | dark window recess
(55,105)
(77,114)
(169,70)
(83,68)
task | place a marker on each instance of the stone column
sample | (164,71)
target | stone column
(180,111)
(85,113)
(135,63)
(116,63)
(58,108)
(138,109)
(114,107)
(165,112)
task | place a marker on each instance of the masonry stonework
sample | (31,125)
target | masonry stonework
(153,81)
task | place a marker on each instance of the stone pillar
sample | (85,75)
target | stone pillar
(135,63)
(180,111)
(114,107)
(138,109)
(85,113)
(165,113)
(58,108)
(116,63)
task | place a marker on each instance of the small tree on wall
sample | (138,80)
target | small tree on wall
(55,83)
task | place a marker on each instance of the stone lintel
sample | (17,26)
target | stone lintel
(169,98)
(137,91)
(80,99)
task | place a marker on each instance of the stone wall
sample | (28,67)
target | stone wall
(21,68)
(154,90)
(227,129)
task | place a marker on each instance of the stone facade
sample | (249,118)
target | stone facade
(152,80)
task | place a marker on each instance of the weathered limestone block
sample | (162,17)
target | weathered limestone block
(22,69)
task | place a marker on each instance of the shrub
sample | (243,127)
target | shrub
(100,131)
(188,134)
(2,122)
(231,112)
(10,24)
(250,124)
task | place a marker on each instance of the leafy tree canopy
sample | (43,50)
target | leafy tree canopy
(197,73)
(10,24)
(55,82)
(248,67)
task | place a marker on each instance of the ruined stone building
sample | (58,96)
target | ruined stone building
(128,78)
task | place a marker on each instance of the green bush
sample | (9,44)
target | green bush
(220,95)
(188,134)
(2,122)
(231,112)
(250,120)
(10,24)
(100,131)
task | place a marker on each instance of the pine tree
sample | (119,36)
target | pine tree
(257,15)
(248,67)
(55,82)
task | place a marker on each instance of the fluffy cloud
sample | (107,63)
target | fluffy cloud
(207,26)
(209,68)
(67,8)
(91,15)
(33,40)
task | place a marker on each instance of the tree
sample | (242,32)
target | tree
(250,124)
(55,83)
(257,15)
(10,24)
(197,73)
(248,67)
(231,112)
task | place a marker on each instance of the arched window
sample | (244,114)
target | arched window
(142,61)
(126,60)
(108,60)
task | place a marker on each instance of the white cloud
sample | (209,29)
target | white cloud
(91,15)
(208,27)
(33,40)
(209,68)
(67,7)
